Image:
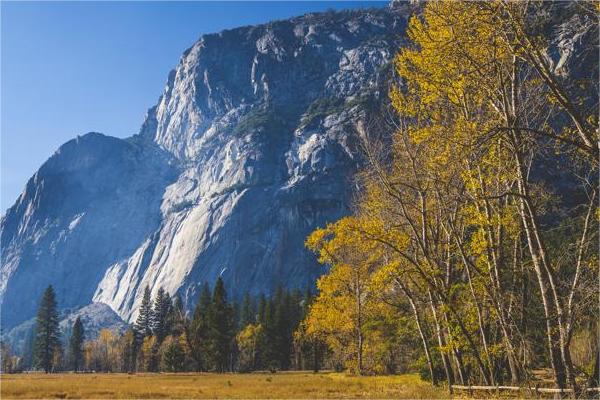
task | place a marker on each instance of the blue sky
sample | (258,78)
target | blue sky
(68,68)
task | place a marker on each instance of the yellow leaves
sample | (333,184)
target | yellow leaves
(479,243)
(352,240)
(247,341)
(249,334)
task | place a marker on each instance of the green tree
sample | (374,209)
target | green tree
(161,315)
(248,340)
(128,351)
(76,345)
(220,329)
(177,318)
(173,355)
(246,312)
(47,341)
(143,324)
(197,334)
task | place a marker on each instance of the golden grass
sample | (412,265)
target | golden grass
(286,385)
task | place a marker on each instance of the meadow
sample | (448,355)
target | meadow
(296,385)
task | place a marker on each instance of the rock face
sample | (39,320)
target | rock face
(249,148)
(95,317)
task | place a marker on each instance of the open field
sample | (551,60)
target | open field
(279,385)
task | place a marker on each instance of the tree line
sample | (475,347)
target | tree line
(220,336)
(475,229)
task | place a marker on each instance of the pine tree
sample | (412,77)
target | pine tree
(160,315)
(177,318)
(76,345)
(47,340)
(197,334)
(220,329)
(143,324)
(262,308)
(246,313)
(268,351)
(173,358)
(129,351)
(29,349)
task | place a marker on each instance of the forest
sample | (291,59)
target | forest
(475,228)
(471,253)
(220,336)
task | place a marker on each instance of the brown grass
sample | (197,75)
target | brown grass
(287,385)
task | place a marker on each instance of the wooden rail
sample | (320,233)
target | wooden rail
(533,389)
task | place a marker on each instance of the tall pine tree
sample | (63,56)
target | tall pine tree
(197,334)
(220,329)
(246,312)
(161,314)
(76,345)
(143,324)
(177,318)
(47,340)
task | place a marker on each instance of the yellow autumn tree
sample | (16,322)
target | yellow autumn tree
(346,304)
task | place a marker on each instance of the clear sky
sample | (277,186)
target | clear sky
(68,68)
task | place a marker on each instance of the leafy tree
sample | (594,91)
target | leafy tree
(9,363)
(149,357)
(76,345)
(47,339)
(248,341)
(344,307)
(128,348)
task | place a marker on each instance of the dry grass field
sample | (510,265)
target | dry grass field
(290,385)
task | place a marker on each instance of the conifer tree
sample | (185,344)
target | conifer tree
(129,351)
(268,351)
(198,331)
(246,313)
(220,329)
(161,314)
(47,334)
(177,318)
(143,324)
(262,308)
(173,357)
(76,345)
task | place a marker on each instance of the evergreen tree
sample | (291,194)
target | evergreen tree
(197,334)
(161,314)
(143,324)
(246,312)
(177,318)
(220,329)
(268,351)
(29,349)
(129,351)
(173,357)
(47,340)
(262,308)
(76,345)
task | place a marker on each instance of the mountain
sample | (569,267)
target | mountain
(250,147)
(95,317)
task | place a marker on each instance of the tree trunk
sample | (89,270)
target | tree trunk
(552,327)
(441,342)
(421,333)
